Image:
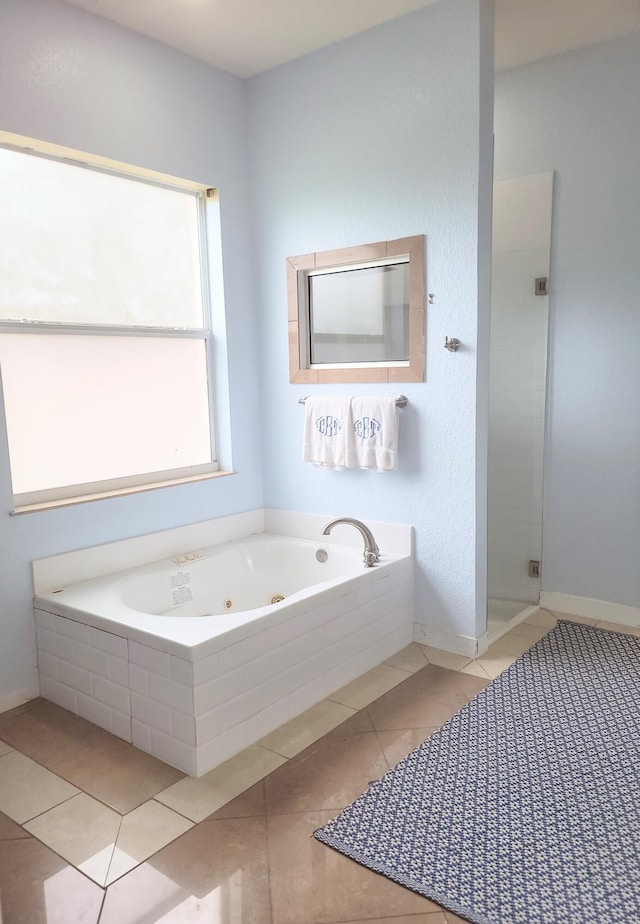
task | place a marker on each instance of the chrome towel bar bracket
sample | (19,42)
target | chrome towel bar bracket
(401,400)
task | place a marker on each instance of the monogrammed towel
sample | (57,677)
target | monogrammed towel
(374,434)
(326,430)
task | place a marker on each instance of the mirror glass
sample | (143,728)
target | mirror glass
(359,315)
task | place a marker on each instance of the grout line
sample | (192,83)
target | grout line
(77,869)
(267,855)
(286,756)
(407,674)
(101,909)
(409,917)
(51,807)
(177,811)
(325,808)
(113,852)
(64,860)
(384,756)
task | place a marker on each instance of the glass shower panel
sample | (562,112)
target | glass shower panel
(519,317)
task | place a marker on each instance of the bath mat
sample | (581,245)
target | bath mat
(525,807)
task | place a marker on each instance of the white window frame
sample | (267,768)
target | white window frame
(207,198)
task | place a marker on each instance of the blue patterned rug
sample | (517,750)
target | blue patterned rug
(525,807)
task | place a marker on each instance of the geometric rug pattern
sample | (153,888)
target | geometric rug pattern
(524,808)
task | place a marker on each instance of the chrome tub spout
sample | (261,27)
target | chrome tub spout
(371,550)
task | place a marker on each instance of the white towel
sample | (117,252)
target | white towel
(326,430)
(374,434)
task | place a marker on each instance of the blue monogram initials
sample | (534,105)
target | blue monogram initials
(328,426)
(367,427)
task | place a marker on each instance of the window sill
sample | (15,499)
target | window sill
(121,492)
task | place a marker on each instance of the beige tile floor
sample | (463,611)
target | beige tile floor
(93,830)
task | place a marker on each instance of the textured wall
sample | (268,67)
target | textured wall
(377,137)
(381,136)
(578,114)
(70,78)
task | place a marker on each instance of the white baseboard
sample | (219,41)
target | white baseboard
(591,609)
(464,644)
(482,644)
(11,700)
(437,637)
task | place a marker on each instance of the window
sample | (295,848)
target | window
(357,315)
(105,335)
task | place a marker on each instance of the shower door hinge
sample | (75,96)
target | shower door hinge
(541,286)
(534,569)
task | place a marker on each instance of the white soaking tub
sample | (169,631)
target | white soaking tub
(194,658)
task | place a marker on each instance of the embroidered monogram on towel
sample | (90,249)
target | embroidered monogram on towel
(328,426)
(366,428)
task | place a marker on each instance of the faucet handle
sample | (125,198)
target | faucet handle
(370,558)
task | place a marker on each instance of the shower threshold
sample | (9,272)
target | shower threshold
(503,615)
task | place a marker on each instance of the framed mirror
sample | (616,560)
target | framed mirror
(357,314)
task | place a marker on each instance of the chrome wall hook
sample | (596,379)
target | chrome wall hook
(451,343)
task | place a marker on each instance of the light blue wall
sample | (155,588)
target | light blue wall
(70,78)
(578,114)
(381,136)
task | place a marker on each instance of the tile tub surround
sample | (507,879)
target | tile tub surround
(235,844)
(197,710)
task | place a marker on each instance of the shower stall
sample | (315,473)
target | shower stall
(522,209)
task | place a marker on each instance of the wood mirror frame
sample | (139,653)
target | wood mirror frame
(297,278)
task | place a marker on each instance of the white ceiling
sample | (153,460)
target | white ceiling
(528,30)
(246,37)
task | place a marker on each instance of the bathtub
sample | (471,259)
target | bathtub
(195,657)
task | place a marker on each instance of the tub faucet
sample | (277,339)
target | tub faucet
(371,550)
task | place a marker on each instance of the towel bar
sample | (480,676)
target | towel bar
(401,400)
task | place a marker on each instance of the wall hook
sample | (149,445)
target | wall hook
(451,343)
(431,298)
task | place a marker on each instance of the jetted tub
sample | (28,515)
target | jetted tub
(196,657)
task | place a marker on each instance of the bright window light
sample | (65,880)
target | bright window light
(105,338)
